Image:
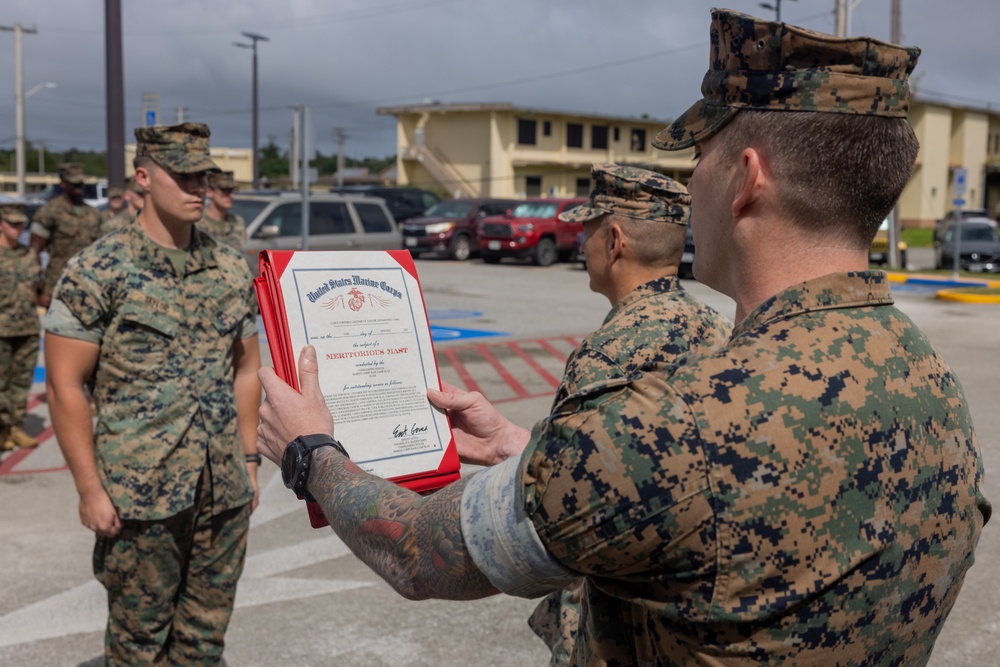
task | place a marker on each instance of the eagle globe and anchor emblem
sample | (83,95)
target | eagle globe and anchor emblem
(357,301)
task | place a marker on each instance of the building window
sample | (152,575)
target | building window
(526,130)
(582,187)
(618,135)
(574,135)
(533,186)
(599,137)
(638,141)
(547,128)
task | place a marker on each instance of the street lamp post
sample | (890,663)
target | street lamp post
(20,134)
(254,38)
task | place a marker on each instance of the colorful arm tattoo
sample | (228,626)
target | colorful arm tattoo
(414,542)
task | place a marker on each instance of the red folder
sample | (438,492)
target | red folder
(272,265)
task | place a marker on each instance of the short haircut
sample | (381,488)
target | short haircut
(654,244)
(839,174)
(143,161)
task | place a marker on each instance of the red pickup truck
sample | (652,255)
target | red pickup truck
(532,229)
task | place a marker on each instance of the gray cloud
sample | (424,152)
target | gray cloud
(630,57)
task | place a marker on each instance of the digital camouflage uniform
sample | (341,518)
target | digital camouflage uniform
(167,446)
(19,327)
(232,230)
(808,494)
(654,325)
(66,227)
(110,221)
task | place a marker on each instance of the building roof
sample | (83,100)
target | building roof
(472,107)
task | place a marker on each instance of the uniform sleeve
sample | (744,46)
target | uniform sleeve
(616,484)
(80,290)
(60,321)
(501,539)
(41,225)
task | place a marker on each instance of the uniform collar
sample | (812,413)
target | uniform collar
(201,252)
(829,292)
(644,291)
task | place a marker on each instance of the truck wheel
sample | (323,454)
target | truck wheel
(461,248)
(545,253)
(491,259)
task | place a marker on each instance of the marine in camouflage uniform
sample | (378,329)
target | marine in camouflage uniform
(19,327)
(116,215)
(654,324)
(809,494)
(64,226)
(227,227)
(171,327)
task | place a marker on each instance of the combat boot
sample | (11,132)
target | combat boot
(22,439)
(6,444)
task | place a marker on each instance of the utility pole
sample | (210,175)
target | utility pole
(254,38)
(841,18)
(180,114)
(115,91)
(341,136)
(293,151)
(18,30)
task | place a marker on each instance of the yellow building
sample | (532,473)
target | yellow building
(500,150)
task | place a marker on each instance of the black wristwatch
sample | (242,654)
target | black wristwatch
(297,459)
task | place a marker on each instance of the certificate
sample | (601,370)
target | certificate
(364,313)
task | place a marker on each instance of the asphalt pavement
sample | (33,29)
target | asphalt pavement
(305,600)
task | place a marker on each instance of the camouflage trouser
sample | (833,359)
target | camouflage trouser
(556,620)
(171,584)
(18,356)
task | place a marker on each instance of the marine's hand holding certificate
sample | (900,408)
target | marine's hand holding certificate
(364,314)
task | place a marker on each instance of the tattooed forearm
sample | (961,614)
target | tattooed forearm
(413,542)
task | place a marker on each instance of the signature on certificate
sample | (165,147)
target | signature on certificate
(402,431)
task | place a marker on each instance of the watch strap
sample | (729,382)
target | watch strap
(307,444)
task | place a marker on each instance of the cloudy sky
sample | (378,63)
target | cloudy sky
(345,58)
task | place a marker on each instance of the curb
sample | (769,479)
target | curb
(950,287)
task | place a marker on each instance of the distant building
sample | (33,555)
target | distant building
(502,150)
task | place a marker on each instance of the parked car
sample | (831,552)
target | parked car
(336,222)
(878,253)
(532,229)
(941,226)
(94,194)
(449,227)
(403,203)
(979,247)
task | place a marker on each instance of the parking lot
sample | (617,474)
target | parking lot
(305,600)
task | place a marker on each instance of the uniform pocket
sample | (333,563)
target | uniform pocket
(144,338)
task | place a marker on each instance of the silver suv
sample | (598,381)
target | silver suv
(336,222)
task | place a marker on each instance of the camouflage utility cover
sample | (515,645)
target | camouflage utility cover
(633,193)
(71,172)
(68,228)
(164,380)
(654,325)
(221,180)
(809,494)
(134,187)
(19,269)
(116,191)
(182,148)
(14,213)
(764,65)
(231,231)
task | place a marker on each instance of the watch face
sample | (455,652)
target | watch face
(290,465)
